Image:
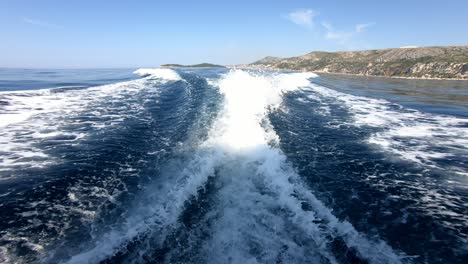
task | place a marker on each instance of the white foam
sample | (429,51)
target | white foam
(166,74)
(158,211)
(431,141)
(412,135)
(258,207)
(247,99)
(29,117)
(262,196)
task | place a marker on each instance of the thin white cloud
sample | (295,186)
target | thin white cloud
(302,17)
(327,26)
(333,34)
(343,36)
(40,23)
(307,17)
(362,27)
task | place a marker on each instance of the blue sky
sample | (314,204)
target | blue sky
(85,33)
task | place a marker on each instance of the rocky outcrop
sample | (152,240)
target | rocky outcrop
(427,62)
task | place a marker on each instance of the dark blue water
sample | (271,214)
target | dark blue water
(33,79)
(434,96)
(231,166)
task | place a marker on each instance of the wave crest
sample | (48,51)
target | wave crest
(166,74)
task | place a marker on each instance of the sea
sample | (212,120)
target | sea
(217,165)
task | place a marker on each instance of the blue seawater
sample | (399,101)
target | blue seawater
(217,165)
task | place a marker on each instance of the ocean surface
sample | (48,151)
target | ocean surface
(231,166)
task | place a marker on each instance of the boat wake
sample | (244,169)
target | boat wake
(253,206)
(224,166)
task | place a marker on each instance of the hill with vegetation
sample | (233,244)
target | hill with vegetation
(450,62)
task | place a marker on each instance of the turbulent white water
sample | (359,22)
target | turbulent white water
(412,135)
(31,116)
(258,214)
(226,166)
(63,116)
(166,74)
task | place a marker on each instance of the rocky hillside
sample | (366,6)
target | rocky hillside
(426,62)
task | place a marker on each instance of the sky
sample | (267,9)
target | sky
(124,33)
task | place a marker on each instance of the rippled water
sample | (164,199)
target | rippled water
(231,166)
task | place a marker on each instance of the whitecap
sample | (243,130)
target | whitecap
(166,74)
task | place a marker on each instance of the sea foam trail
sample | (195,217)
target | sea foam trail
(258,215)
(67,119)
(32,116)
(262,197)
(27,117)
(415,136)
(166,74)
(156,211)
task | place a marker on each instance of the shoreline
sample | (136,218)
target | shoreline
(351,74)
(394,77)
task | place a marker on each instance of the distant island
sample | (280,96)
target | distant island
(200,65)
(449,62)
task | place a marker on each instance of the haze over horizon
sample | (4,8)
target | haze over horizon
(87,34)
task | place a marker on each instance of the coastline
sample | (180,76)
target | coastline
(348,74)
(394,77)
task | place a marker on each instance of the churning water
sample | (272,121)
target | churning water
(231,166)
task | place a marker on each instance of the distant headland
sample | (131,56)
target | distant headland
(447,62)
(200,65)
